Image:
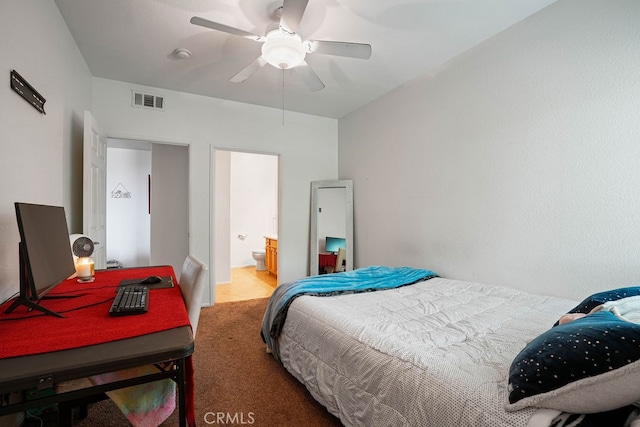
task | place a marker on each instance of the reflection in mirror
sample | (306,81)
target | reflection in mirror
(331,239)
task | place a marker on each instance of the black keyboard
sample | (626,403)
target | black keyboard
(130,300)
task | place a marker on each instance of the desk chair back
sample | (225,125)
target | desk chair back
(340,259)
(192,286)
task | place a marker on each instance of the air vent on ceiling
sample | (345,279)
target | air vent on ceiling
(146,100)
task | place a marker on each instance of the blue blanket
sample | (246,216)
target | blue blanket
(361,280)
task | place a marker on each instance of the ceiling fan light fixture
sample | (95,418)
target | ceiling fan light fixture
(283,50)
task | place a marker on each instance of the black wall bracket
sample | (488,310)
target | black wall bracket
(25,90)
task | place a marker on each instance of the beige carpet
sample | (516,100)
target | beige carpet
(237,382)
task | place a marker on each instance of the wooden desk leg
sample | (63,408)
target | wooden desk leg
(182,387)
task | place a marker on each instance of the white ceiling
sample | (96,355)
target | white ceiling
(133,41)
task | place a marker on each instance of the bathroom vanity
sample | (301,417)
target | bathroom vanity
(271,254)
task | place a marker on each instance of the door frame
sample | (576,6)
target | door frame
(152,142)
(212,207)
(189,145)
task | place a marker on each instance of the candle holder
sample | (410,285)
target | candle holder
(85,269)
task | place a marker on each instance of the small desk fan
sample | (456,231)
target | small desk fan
(81,246)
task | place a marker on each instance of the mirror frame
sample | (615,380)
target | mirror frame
(313,239)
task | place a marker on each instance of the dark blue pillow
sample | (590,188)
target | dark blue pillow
(595,300)
(589,365)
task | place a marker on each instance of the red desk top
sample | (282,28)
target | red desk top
(87,320)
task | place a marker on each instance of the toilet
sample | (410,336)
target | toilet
(258,255)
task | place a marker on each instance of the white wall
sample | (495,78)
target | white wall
(128,220)
(254,204)
(39,162)
(517,164)
(307,146)
(169,205)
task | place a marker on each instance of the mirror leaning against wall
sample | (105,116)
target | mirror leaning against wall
(331,237)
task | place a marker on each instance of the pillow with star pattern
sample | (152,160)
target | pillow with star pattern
(589,365)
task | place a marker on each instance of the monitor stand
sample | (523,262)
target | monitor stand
(27,290)
(34,306)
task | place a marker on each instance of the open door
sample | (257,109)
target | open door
(94,189)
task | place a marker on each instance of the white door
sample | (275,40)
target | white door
(169,233)
(94,188)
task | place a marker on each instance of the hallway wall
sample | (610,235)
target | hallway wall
(128,219)
(254,204)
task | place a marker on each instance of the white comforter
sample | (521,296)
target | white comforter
(436,353)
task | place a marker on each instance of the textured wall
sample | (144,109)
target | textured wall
(516,163)
(38,151)
(306,146)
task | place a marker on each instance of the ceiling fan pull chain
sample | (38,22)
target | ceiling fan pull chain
(283,97)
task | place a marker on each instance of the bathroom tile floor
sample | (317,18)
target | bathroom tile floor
(246,283)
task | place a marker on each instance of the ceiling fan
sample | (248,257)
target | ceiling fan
(284,48)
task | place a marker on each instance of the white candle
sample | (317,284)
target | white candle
(85,268)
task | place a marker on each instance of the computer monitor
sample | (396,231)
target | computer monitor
(332,244)
(45,254)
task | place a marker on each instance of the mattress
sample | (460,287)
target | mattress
(435,353)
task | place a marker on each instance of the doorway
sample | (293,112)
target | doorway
(147,204)
(246,211)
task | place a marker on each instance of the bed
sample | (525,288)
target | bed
(422,350)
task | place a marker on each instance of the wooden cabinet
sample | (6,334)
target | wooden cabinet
(271,255)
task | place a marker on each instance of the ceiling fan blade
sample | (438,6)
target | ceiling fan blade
(309,77)
(249,70)
(292,11)
(196,20)
(350,50)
